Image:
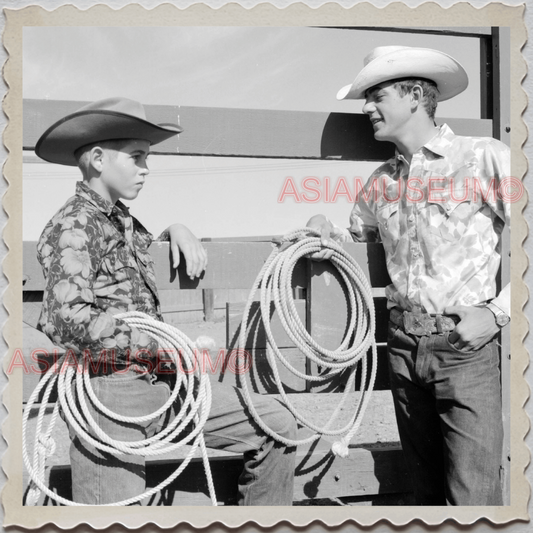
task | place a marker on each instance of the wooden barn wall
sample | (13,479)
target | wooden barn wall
(252,132)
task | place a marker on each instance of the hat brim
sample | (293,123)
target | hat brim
(444,70)
(59,142)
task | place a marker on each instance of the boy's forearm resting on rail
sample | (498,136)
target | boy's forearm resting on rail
(182,240)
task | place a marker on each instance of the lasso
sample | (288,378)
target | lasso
(195,409)
(275,284)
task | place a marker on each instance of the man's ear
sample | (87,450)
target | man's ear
(417,94)
(96,158)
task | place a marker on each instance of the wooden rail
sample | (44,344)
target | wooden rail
(373,470)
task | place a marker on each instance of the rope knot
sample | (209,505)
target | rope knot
(203,342)
(46,444)
(340,448)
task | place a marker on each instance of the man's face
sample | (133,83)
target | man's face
(124,171)
(388,111)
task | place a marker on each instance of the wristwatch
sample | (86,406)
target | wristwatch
(501,318)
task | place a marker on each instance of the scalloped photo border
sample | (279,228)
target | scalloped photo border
(397,14)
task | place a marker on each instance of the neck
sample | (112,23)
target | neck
(96,185)
(414,138)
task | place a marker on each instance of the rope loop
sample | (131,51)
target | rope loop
(75,389)
(274,282)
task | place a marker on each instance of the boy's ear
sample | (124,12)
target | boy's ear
(96,158)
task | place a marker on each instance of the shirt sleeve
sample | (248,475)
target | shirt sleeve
(497,166)
(363,222)
(498,182)
(71,316)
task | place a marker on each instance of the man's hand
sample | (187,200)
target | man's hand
(181,239)
(476,328)
(326,228)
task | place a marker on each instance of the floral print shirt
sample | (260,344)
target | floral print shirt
(95,260)
(440,219)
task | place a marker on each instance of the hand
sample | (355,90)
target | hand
(476,328)
(182,239)
(326,228)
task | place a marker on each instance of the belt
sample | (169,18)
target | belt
(420,324)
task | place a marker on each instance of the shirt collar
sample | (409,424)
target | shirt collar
(438,144)
(83,190)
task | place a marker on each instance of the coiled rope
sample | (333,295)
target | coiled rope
(274,282)
(73,388)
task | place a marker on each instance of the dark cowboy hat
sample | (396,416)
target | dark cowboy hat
(104,120)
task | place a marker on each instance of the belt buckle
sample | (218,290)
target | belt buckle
(416,323)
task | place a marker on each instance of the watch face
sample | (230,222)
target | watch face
(502,320)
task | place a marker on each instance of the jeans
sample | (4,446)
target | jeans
(268,476)
(449,413)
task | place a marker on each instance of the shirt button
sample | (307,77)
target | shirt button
(411,218)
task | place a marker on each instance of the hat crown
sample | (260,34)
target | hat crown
(118,105)
(382,50)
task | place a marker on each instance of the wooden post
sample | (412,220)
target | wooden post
(208,297)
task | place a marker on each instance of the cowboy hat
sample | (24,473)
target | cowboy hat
(387,63)
(104,120)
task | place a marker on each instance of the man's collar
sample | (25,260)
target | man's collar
(83,190)
(438,144)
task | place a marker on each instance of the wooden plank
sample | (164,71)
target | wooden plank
(319,474)
(338,383)
(232,265)
(234,132)
(501,57)
(328,302)
(466,31)
(208,297)
(257,337)
(259,374)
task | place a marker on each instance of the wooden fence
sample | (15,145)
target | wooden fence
(374,472)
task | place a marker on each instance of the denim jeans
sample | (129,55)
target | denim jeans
(268,476)
(449,413)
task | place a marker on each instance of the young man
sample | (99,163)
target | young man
(95,259)
(442,246)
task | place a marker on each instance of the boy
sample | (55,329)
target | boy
(96,264)
(442,246)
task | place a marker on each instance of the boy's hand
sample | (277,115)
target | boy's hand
(326,228)
(182,239)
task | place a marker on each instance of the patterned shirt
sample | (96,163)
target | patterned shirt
(440,219)
(95,260)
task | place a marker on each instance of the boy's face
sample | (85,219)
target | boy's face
(388,111)
(124,171)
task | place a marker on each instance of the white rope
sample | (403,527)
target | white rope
(275,284)
(75,386)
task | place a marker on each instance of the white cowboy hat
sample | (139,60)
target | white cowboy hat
(104,120)
(387,63)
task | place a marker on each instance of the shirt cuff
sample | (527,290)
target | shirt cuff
(341,234)
(503,300)
(165,236)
